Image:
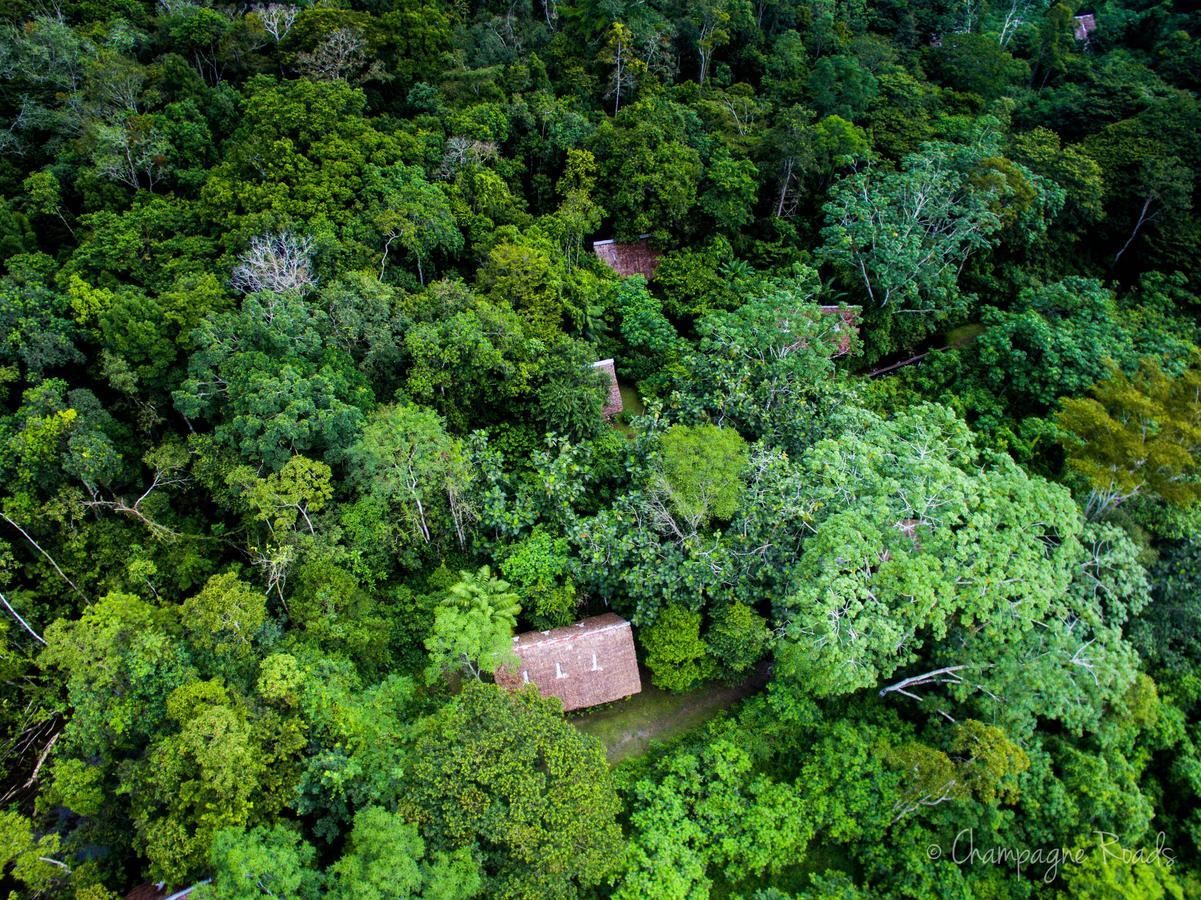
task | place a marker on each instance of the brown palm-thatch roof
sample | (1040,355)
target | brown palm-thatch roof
(613,404)
(631,258)
(584,664)
(1085,25)
(848,326)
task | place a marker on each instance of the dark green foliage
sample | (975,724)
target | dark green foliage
(298,316)
(504,772)
(538,569)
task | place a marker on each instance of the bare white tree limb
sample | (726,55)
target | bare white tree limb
(276,262)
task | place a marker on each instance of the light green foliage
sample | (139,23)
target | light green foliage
(280,679)
(1114,871)
(1137,435)
(578,214)
(43,192)
(981,763)
(303,152)
(225,616)
(1080,788)
(761,367)
(675,653)
(286,499)
(204,776)
(923,560)
(121,661)
(701,472)
(1069,167)
(299,307)
(473,626)
(26,857)
(406,459)
(538,570)
(359,735)
(526,274)
(246,864)
(78,786)
(711,812)
(384,859)
(903,237)
(905,234)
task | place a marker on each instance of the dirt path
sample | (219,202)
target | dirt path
(627,727)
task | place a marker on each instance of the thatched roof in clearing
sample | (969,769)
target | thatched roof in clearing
(849,325)
(613,404)
(584,664)
(632,258)
(1085,25)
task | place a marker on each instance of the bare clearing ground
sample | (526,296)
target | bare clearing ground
(627,727)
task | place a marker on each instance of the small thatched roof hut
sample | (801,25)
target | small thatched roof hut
(848,325)
(1085,25)
(584,664)
(613,404)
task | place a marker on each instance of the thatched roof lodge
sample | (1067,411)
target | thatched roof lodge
(584,664)
(632,258)
(613,404)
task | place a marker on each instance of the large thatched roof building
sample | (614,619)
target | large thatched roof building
(631,258)
(584,664)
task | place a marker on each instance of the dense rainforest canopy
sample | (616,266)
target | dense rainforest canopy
(298,311)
